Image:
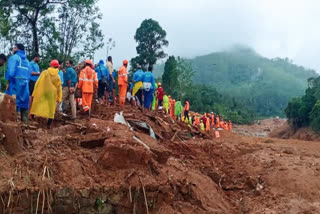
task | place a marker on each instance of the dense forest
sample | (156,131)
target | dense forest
(305,111)
(265,86)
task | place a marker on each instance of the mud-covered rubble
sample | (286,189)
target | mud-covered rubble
(99,166)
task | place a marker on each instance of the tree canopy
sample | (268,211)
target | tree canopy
(151,39)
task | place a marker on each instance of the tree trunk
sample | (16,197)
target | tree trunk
(35,42)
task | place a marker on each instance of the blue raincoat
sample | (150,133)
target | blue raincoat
(102,71)
(148,88)
(19,74)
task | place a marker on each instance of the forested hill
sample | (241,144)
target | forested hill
(263,85)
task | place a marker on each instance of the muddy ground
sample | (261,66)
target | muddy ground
(99,166)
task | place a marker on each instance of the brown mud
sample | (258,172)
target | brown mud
(99,166)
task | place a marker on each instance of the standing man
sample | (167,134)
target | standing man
(149,87)
(123,82)
(138,85)
(103,80)
(69,87)
(47,93)
(18,76)
(160,94)
(112,81)
(35,73)
(186,110)
(87,82)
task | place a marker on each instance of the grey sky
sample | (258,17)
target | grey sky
(275,28)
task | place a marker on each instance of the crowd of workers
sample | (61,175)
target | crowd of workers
(60,89)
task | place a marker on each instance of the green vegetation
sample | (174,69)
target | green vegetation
(177,81)
(151,38)
(265,86)
(305,111)
(54,29)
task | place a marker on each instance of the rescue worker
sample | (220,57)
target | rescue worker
(196,120)
(123,82)
(186,109)
(217,125)
(230,125)
(47,93)
(204,119)
(225,126)
(18,75)
(137,90)
(103,81)
(35,73)
(154,101)
(172,105)
(68,89)
(212,119)
(165,103)
(202,125)
(112,81)
(221,123)
(208,124)
(88,81)
(178,110)
(149,87)
(160,94)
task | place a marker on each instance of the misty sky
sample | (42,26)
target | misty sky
(274,28)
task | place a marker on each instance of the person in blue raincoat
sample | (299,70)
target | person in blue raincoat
(138,85)
(148,88)
(103,78)
(18,75)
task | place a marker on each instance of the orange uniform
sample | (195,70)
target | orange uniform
(212,120)
(87,81)
(196,121)
(230,125)
(208,125)
(172,104)
(217,125)
(225,126)
(123,84)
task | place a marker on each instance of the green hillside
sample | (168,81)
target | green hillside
(263,85)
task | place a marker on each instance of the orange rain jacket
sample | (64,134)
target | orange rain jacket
(123,76)
(88,80)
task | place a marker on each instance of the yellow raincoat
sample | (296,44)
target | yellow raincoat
(136,87)
(47,92)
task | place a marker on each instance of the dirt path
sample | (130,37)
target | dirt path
(98,166)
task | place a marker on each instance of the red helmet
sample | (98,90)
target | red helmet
(125,62)
(54,63)
(88,61)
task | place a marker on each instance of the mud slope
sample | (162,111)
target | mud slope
(99,166)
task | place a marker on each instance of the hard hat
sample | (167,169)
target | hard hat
(54,63)
(159,84)
(88,61)
(125,62)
